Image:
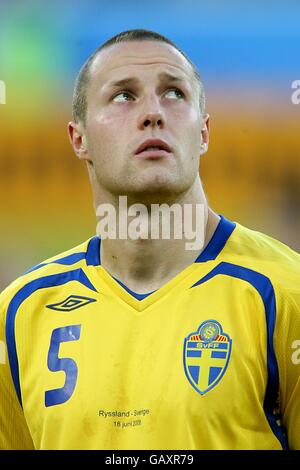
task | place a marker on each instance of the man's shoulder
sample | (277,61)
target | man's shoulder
(266,255)
(65,261)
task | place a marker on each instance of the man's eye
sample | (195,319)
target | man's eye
(122,96)
(175,93)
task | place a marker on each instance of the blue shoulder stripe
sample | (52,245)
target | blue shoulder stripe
(41,283)
(265,289)
(66,260)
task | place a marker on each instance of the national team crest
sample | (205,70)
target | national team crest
(206,355)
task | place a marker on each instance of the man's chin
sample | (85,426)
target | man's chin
(151,187)
(155,192)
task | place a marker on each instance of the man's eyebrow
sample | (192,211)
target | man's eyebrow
(124,82)
(130,81)
(164,76)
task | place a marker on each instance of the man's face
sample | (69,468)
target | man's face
(140,91)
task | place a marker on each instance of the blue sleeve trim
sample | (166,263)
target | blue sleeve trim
(265,289)
(66,260)
(18,299)
(93,252)
(218,240)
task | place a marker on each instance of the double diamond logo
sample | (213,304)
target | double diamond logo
(71,303)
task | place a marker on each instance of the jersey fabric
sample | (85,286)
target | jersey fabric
(211,360)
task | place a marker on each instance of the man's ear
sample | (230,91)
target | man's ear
(205,134)
(78,140)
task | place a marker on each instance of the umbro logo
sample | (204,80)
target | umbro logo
(71,303)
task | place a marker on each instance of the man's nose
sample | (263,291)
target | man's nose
(151,114)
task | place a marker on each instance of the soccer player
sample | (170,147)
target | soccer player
(123,343)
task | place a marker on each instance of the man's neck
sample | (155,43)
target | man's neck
(146,264)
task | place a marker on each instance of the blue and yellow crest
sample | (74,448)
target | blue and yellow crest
(206,355)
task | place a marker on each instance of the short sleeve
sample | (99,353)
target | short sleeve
(14,433)
(287,346)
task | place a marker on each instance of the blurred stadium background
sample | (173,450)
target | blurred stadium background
(248,56)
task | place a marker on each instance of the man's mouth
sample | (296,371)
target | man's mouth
(153,148)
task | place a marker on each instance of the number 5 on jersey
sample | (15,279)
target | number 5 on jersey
(55,364)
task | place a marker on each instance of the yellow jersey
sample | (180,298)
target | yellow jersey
(211,360)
